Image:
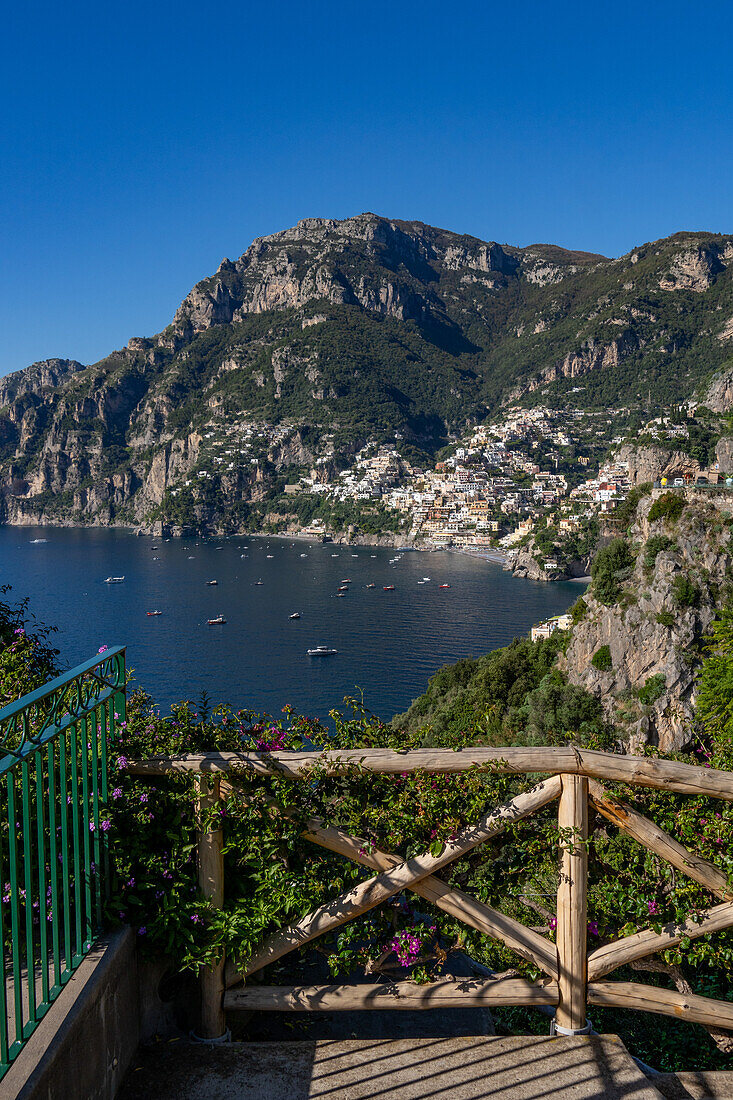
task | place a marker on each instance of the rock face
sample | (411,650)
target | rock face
(695,268)
(653,463)
(366,328)
(651,632)
(719,394)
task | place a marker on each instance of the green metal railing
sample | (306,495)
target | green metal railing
(54,858)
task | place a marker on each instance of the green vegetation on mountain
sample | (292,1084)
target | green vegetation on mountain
(365,329)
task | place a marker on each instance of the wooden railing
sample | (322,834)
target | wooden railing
(572,975)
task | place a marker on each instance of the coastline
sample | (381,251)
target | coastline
(398,541)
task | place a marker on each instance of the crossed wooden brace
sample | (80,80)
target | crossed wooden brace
(418,875)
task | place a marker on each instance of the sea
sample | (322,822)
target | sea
(388,643)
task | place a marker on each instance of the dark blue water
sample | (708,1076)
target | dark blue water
(389,643)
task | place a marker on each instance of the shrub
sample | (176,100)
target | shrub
(669,506)
(578,611)
(685,592)
(654,687)
(601,659)
(665,618)
(611,566)
(655,545)
(626,510)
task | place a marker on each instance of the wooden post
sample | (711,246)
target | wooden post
(211,881)
(572,905)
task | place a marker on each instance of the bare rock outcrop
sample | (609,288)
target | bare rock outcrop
(655,632)
(653,463)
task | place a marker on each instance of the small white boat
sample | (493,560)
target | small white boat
(304,555)
(371,585)
(35,542)
(153,612)
(211,583)
(270,555)
(113,580)
(295,615)
(259,582)
(218,621)
(334,555)
(321,651)
(426,578)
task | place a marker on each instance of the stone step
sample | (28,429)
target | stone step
(529,1067)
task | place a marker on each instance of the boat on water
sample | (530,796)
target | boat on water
(304,555)
(426,578)
(270,555)
(371,585)
(321,651)
(388,587)
(443,586)
(34,542)
(153,612)
(218,621)
(341,594)
(295,615)
(334,555)
(210,583)
(114,580)
(346,580)
(259,582)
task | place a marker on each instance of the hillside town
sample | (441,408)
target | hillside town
(506,480)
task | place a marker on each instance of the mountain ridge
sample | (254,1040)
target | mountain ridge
(361,328)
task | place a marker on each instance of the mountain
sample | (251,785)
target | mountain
(333,332)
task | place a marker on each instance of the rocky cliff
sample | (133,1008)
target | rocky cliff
(333,332)
(654,631)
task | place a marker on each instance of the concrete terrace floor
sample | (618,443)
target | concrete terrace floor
(455,1068)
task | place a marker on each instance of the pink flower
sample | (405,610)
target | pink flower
(652,906)
(103,649)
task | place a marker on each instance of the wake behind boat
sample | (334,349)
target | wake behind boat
(321,651)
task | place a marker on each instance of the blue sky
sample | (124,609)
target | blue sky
(141,143)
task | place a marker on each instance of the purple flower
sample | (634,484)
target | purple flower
(144,797)
(593,927)
(142,930)
(552,922)
(652,906)
(103,649)
(117,792)
(122,762)
(105,825)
